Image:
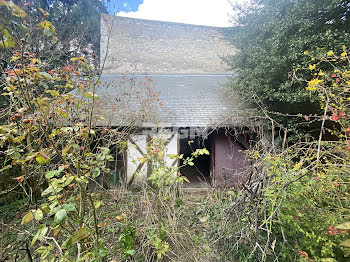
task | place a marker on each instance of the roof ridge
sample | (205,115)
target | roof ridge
(166,22)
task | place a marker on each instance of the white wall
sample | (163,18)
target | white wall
(133,154)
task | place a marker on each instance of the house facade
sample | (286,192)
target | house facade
(182,66)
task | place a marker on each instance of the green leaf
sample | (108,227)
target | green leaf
(69,207)
(204,151)
(47,76)
(172,156)
(80,235)
(38,215)
(53,173)
(39,234)
(55,210)
(45,207)
(67,243)
(97,204)
(96,172)
(67,181)
(109,158)
(66,149)
(66,129)
(44,251)
(47,191)
(27,218)
(131,252)
(60,216)
(103,252)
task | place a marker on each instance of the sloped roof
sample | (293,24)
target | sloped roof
(139,46)
(185,72)
(170,100)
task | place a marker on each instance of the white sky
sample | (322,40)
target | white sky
(199,12)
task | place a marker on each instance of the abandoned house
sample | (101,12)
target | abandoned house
(179,68)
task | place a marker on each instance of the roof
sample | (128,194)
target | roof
(139,46)
(167,100)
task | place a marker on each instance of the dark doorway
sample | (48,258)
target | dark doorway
(230,163)
(199,174)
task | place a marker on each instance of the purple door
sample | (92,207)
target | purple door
(229,162)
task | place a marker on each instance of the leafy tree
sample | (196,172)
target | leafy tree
(52,145)
(77,24)
(300,213)
(271,36)
(74,32)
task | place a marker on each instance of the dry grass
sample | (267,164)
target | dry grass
(185,218)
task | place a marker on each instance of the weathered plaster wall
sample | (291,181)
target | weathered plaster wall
(133,159)
(138,143)
(145,46)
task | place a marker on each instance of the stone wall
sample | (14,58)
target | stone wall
(146,46)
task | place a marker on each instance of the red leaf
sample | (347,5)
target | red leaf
(303,254)
(334,117)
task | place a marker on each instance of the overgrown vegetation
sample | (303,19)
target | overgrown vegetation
(271,36)
(298,198)
(55,160)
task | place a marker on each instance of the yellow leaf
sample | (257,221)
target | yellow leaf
(48,29)
(97,204)
(330,53)
(121,218)
(27,218)
(80,235)
(42,159)
(56,231)
(66,149)
(344,226)
(80,59)
(44,12)
(16,11)
(8,40)
(345,243)
(312,67)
